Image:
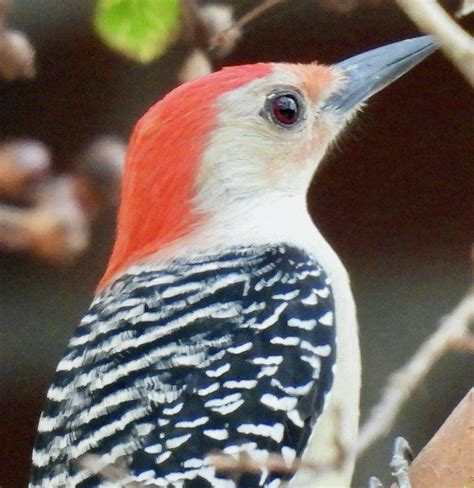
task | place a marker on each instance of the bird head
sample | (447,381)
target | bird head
(234,150)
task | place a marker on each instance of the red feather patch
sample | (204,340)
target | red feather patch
(162,163)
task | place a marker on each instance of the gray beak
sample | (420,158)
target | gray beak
(370,72)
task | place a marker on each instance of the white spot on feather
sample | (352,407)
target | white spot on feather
(239,349)
(284,403)
(214,373)
(190,424)
(177,441)
(327,319)
(273,431)
(218,434)
(303,324)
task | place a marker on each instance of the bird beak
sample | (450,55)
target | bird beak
(370,72)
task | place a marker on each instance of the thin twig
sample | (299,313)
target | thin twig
(221,37)
(255,12)
(456,43)
(466,8)
(453,329)
(275,463)
(464,344)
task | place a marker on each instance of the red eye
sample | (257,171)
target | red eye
(285,109)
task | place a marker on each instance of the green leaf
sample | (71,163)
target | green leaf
(140,29)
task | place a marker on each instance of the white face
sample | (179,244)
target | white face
(271,135)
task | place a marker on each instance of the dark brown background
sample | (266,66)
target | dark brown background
(395,198)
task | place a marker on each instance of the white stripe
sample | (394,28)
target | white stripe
(269,360)
(155,449)
(144,429)
(323,350)
(295,417)
(303,324)
(311,299)
(214,310)
(218,434)
(173,478)
(245,384)
(239,349)
(42,458)
(293,390)
(48,424)
(234,262)
(177,441)
(189,360)
(204,291)
(320,350)
(189,424)
(226,409)
(274,484)
(267,371)
(254,307)
(248,447)
(327,319)
(288,454)
(286,296)
(107,430)
(172,291)
(284,403)
(302,275)
(218,402)
(274,431)
(209,389)
(193,462)
(105,406)
(268,322)
(162,279)
(285,341)
(173,410)
(313,361)
(323,292)
(264,283)
(163,457)
(215,373)
(144,476)
(140,363)
(88,318)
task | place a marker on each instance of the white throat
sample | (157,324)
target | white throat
(267,220)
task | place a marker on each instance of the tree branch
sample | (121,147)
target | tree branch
(456,43)
(439,463)
(453,329)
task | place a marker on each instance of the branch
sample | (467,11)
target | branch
(227,36)
(23,162)
(439,464)
(456,43)
(17,55)
(53,220)
(453,329)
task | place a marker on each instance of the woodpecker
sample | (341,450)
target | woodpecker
(225,322)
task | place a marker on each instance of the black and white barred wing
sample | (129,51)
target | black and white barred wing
(227,353)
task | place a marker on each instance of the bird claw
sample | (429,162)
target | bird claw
(402,457)
(374,482)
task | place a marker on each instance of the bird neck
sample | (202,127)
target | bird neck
(268,220)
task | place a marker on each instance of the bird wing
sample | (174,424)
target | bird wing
(228,353)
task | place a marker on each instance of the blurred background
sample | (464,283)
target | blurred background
(395,198)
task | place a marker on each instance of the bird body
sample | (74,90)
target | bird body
(225,322)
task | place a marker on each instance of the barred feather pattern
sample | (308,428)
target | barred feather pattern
(232,352)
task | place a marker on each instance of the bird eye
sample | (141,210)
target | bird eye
(284,108)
